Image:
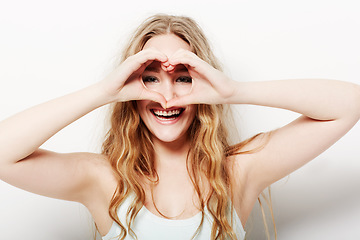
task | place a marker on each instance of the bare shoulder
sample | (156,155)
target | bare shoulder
(103,179)
(68,176)
(99,180)
(242,157)
(101,186)
(278,154)
(244,190)
(82,177)
(242,200)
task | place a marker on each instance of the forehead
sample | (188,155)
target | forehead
(167,43)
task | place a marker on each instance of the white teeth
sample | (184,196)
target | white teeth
(167,113)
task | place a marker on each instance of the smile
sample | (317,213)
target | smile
(167,115)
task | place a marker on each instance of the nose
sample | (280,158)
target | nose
(168,90)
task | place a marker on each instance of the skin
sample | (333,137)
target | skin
(169,137)
(328,110)
(169,84)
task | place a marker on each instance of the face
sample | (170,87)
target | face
(171,124)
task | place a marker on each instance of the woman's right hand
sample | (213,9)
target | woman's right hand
(125,82)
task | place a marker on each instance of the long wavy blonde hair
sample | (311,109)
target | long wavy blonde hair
(130,151)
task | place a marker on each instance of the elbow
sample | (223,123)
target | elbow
(354,104)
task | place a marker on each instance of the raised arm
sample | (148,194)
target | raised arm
(65,176)
(24,132)
(329,109)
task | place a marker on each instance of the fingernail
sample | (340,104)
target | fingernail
(164,68)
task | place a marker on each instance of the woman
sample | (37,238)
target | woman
(167,170)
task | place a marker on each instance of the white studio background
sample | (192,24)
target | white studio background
(50,48)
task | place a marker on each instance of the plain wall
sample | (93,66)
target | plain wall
(50,48)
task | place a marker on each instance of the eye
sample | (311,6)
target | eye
(184,79)
(149,79)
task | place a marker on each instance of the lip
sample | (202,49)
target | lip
(167,109)
(167,122)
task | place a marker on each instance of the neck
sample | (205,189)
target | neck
(171,152)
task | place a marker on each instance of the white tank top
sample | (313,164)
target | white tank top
(148,226)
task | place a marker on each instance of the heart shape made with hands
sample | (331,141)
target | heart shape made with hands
(167,67)
(180,90)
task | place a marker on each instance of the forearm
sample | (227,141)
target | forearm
(23,133)
(316,98)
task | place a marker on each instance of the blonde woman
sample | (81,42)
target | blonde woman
(167,170)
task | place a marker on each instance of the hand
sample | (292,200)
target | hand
(125,83)
(209,86)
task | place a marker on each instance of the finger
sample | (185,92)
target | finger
(164,68)
(170,68)
(181,101)
(167,67)
(151,54)
(198,68)
(154,96)
(144,58)
(184,60)
(184,57)
(192,62)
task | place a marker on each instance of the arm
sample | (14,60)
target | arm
(66,176)
(24,132)
(318,99)
(47,173)
(329,109)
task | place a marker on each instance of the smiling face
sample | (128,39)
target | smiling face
(167,125)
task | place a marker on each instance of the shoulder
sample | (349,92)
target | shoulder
(98,165)
(240,163)
(241,157)
(67,176)
(102,179)
(84,177)
(92,175)
(102,183)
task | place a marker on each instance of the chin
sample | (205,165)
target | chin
(169,136)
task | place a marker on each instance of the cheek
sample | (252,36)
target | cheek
(151,86)
(183,89)
(192,112)
(141,106)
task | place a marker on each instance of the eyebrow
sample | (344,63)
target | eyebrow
(179,68)
(152,69)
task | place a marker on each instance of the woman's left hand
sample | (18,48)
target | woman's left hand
(209,85)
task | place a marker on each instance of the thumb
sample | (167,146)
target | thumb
(180,101)
(155,96)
